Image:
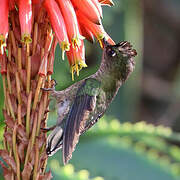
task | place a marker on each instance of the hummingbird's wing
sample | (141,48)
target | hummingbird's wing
(93,121)
(84,103)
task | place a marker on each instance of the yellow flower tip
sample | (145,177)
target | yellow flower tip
(100,43)
(100,39)
(74,68)
(82,64)
(77,69)
(76,42)
(2,43)
(26,39)
(63,52)
(81,37)
(72,73)
(65,46)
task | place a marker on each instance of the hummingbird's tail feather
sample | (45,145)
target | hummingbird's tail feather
(54,141)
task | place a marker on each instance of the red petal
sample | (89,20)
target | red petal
(71,22)
(106,2)
(88,9)
(76,58)
(87,33)
(12,4)
(57,23)
(36,1)
(4,8)
(25,18)
(98,6)
(97,30)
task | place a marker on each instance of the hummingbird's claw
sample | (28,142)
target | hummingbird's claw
(48,89)
(53,85)
(45,130)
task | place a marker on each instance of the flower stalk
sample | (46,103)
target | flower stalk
(24,72)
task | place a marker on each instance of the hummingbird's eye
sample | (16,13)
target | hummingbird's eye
(111,52)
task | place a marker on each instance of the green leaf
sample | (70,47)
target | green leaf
(115,159)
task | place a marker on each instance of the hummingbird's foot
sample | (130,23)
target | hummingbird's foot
(53,85)
(48,89)
(45,130)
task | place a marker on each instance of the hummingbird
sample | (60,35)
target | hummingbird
(82,104)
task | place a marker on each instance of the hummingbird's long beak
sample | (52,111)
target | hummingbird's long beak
(105,42)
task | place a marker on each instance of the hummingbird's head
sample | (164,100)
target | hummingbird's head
(119,58)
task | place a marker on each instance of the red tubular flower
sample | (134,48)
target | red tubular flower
(71,22)
(107,2)
(97,30)
(76,58)
(25,18)
(98,6)
(109,39)
(88,9)
(58,24)
(36,1)
(4,8)
(87,33)
(12,4)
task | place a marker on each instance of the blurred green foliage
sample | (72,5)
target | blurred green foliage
(125,151)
